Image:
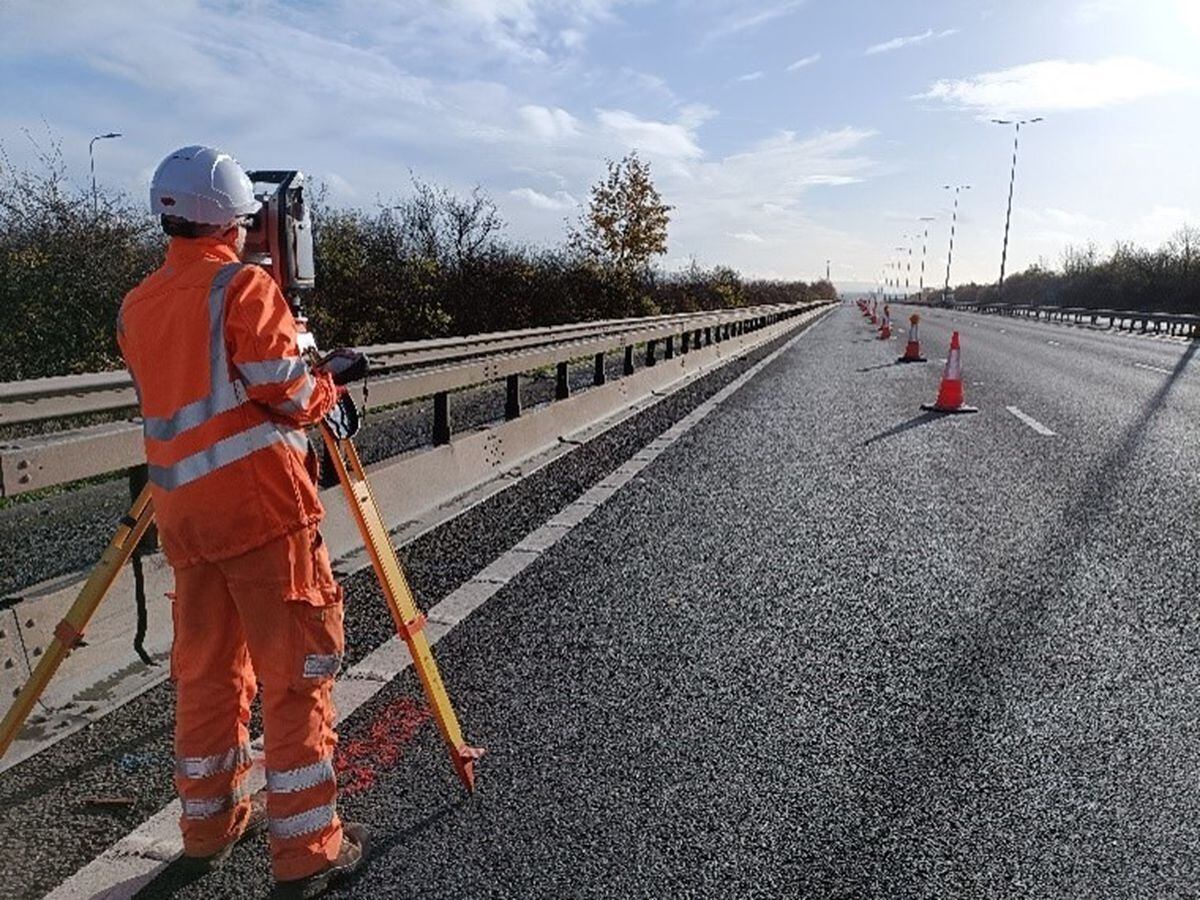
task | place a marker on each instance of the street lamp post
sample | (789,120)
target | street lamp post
(953,227)
(899,268)
(908,267)
(92,159)
(924,250)
(1012,180)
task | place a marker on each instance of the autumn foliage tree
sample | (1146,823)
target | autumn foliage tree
(625,224)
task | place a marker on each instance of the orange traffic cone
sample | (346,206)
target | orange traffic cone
(885,330)
(950,394)
(912,353)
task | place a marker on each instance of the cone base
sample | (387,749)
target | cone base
(949,410)
(908,359)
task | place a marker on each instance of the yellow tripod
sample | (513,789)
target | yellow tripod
(409,620)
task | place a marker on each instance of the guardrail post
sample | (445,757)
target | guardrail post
(708,336)
(651,357)
(684,340)
(562,387)
(512,397)
(628,368)
(669,349)
(699,333)
(598,377)
(441,419)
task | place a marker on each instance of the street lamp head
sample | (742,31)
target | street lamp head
(111,134)
(1036,119)
(1003,121)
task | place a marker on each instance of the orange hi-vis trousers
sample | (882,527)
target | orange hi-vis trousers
(275,612)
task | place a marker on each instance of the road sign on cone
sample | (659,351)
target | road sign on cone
(912,353)
(950,394)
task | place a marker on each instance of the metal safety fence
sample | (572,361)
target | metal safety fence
(401,373)
(1138,321)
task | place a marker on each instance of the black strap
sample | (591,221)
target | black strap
(139,595)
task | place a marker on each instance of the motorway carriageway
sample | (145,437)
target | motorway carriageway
(816,643)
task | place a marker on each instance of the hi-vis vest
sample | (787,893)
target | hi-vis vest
(212,348)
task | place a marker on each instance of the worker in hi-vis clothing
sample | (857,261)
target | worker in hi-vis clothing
(225,395)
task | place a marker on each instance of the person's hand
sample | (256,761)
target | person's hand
(345,365)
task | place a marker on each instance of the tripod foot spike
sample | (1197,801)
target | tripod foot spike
(464,764)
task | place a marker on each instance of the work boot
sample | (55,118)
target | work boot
(255,824)
(355,846)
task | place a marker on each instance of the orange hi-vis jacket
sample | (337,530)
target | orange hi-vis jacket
(212,348)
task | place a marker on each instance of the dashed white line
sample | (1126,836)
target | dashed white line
(1030,421)
(1153,368)
(1054,343)
(133,861)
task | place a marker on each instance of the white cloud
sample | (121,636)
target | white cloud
(749,76)
(749,19)
(1189,14)
(806,61)
(748,237)
(550,124)
(897,42)
(559,202)
(1059,85)
(664,139)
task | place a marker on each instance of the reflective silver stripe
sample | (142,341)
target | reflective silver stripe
(297,402)
(296,439)
(273,371)
(224,398)
(203,766)
(301,778)
(212,806)
(222,394)
(222,453)
(302,823)
(322,665)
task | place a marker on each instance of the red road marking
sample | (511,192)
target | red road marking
(359,761)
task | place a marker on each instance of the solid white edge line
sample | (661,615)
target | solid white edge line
(1030,421)
(1150,368)
(133,861)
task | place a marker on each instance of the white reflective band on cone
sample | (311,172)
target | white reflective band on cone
(953,367)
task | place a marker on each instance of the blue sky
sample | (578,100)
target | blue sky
(785,132)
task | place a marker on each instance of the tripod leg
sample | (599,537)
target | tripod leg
(409,620)
(68,632)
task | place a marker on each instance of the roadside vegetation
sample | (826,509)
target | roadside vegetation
(1130,277)
(430,263)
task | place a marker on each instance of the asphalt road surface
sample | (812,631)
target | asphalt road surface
(823,645)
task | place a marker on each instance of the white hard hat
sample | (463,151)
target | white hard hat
(203,185)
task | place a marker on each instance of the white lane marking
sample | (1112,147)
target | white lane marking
(1153,368)
(1030,421)
(1054,343)
(133,861)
